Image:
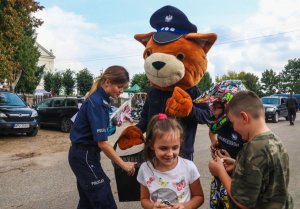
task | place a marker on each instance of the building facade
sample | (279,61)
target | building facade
(46,59)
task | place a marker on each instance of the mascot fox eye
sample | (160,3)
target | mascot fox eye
(180,56)
(147,53)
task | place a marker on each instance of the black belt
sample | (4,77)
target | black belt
(89,147)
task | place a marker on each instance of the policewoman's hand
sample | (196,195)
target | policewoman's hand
(129,167)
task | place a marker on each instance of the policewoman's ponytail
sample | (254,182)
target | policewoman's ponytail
(116,74)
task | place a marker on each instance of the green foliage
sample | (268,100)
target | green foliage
(84,80)
(231,75)
(141,80)
(68,81)
(48,77)
(17,50)
(269,82)
(28,56)
(53,82)
(28,84)
(206,82)
(56,83)
(290,77)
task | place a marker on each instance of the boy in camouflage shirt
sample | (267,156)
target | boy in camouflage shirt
(261,171)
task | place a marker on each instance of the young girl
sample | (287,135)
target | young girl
(89,136)
(167,180)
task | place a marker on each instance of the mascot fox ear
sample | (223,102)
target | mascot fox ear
(144,38)
(204,40)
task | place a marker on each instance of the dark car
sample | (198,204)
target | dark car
(275,107)
(16,116)
(58,111)
(297,96)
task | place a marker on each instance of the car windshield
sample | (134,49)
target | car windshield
(10,99)
(272,101)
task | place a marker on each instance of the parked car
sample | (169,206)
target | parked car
(58,111)
(16,116)
(275,107)
(297,96)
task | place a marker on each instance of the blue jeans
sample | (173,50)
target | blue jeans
(92,183)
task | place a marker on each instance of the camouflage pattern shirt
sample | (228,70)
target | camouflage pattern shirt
(261,175)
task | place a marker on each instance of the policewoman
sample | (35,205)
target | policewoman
(89,135)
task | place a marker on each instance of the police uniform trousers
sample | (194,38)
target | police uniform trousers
(92,183)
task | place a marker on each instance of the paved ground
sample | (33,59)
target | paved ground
(34,172)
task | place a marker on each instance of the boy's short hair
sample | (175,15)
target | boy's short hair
(246,101)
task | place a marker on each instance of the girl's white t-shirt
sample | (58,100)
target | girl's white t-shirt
(172,185)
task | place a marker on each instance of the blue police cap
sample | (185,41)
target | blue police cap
(171,24)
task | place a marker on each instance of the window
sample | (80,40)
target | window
(71,103)
(10,99)
(58,103)
(45,103)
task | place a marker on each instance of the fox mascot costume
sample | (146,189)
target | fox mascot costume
(175,62)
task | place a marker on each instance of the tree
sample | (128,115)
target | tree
(141,80)
(251,82)
(84,80)
(231,75)
(206,82)
(269,82)
(56,83)
(68,81)
(48,78)
(18,54)
(290,77)
(28,84)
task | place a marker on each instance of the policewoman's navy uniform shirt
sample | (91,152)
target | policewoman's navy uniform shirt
(92,121)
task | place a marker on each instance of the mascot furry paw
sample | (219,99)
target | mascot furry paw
(175,62)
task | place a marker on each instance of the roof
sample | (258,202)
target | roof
(134,89)
(47,52)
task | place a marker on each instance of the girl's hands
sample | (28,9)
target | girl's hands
(162,205)
(129,167)
(178,206)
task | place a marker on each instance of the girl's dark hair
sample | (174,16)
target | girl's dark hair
(116,74)
(156,128)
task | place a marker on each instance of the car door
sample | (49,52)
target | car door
(283,108)
(42,109)
(72,106)
(57,111)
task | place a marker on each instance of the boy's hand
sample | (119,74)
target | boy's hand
(213,148)
(229,164)
(221,153)
(216,166)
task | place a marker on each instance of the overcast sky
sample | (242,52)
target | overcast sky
(252,35)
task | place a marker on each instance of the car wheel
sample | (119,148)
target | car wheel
(275,118)
(65,125)
(287,118)
(33,132)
